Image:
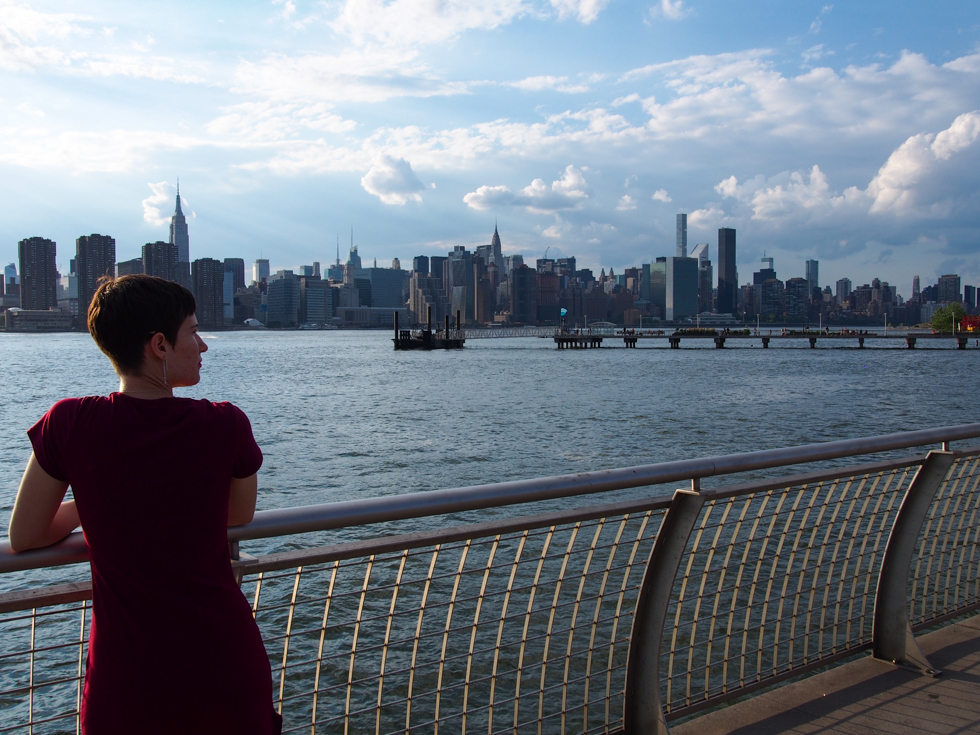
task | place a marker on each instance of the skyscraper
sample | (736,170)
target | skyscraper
(681,292)
(236,266)
(727,276)
(497,257)
(208,276)
(38,274)
(178,232)
(949,289)
(682,236)
(260,270)
(160,260)
(95,257)
(812,277)
(916,291)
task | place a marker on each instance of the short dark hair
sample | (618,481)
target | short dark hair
(126,312)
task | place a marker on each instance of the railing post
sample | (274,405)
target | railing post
(643,712)
(891,634)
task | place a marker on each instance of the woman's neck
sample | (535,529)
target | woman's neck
(144,386)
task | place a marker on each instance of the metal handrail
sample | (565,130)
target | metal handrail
(326,516)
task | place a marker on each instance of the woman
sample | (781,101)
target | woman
(156,481)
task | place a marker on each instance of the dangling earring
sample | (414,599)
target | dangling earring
(165,383)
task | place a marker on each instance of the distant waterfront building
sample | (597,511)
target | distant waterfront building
(970,297)
(844,291)
(523,294)
(387,287)
(10,273)
(797,298)
(160,260)
(658,287)
(916,291)
(208,277)
(727,275)
(178,232)
(681,235)
(315,301)
(38,274)
(260,270)
(68,295)
(48,320)
(129,267)
(95,258)
(283,300)
(949,289)
(681,292)
(228,297)
(812,277)
(236,266)
(771,296)
(705,292)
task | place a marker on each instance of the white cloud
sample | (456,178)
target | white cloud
(585,10)
(163,194)
(661,195)
(541,83)
(30,109)
(260,122)
(626,203)
(407,23)
(815,53)
(372,75)
(393,181)
(672,9)
(920,180)
(619,101)
(817,23)
(568,192)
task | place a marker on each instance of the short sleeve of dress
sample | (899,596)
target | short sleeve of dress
(49,438)
(248,456)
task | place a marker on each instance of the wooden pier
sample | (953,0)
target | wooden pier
(632,337)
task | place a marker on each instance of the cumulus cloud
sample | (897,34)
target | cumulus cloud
(568,192)
(672,9)
(156,204)
(393,181)
(626,203)
(661,195)
(924,178)
(584,10)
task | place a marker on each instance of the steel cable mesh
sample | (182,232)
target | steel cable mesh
(776,580)
(945,572)
(42,668)
(487,635)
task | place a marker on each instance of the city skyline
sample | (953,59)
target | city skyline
(847,135)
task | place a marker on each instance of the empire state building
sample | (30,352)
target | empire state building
(178,233)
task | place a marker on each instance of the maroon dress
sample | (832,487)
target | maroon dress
(173,646)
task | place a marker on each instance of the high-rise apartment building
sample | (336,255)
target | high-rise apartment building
(681,235)
(260,270)
(38,274)
(844,291)
(283,299)
(236,266)
(681,292)
(95,258)
(208,277)
(727,275)
(812,277)
(658,287)
(178,232)
(129,267)
(916,290)
(797,298)
(949,289)
(160,260)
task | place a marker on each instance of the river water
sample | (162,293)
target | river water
(340,415)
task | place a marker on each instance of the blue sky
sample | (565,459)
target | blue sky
(845,132)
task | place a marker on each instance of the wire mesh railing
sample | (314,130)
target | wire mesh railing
(536,624)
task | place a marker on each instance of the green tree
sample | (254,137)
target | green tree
(946,316)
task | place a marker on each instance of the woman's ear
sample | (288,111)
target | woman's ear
(158,346)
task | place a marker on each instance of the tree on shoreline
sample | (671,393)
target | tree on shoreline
(945,317)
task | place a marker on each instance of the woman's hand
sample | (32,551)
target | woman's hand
(241,502)
(40,518)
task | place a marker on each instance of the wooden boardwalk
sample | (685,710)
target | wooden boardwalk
(867,696)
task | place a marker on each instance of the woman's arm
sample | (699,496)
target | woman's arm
(40,518)
(241,503)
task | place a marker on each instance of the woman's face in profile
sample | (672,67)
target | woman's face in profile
(184,367)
